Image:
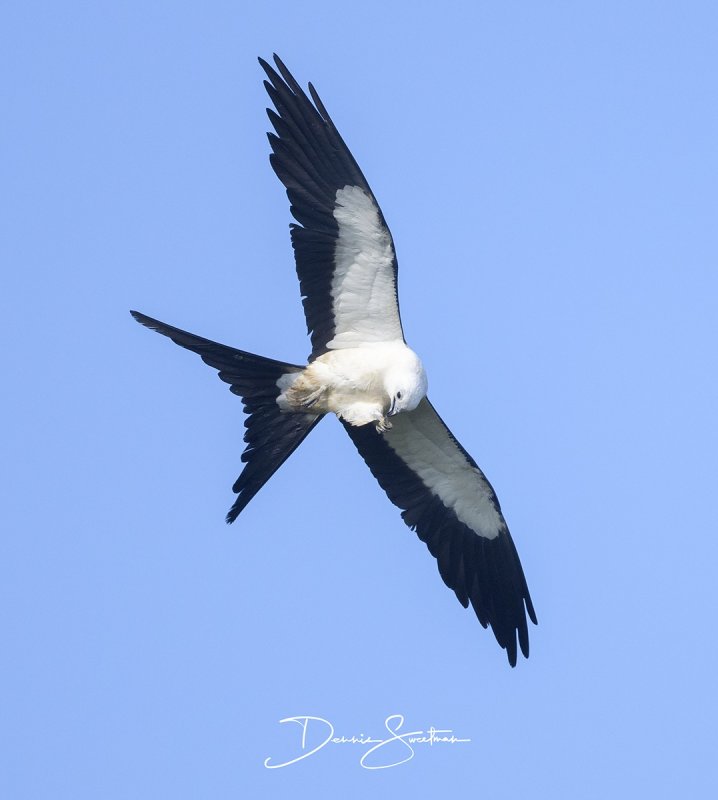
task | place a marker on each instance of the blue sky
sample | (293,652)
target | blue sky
(549,173)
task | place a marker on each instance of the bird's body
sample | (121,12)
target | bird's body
(362,370)
(364,384)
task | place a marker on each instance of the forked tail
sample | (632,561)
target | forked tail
(271,435)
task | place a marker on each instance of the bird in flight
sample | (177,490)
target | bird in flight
(362,370)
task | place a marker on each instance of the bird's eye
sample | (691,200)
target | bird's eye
(398,395)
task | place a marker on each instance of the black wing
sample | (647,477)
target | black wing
(450,504)
(343,248)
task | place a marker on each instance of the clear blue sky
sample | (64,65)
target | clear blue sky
(549,171)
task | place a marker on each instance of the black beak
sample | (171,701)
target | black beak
(392,409)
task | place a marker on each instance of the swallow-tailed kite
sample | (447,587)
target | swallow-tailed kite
(361,369)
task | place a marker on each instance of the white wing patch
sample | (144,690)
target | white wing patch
(363,287)
(423,443)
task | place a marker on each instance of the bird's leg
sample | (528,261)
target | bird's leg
(383,425)
(360,413)
(309,399)
(300,392)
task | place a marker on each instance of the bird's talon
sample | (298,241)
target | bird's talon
(383,425)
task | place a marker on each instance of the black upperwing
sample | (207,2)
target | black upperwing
(343,249)
(450,504)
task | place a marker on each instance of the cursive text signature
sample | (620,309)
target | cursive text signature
(396,748)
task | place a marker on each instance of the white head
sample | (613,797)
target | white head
(405,384)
